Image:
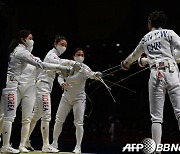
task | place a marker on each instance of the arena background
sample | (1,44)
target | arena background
(108,31)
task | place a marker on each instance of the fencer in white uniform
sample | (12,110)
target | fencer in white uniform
(20,56)
(74,97)
(44,87)
(1,116)
(27,89)
(159,46)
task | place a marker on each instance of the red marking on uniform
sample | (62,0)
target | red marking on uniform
(11,101)
(160,75)
(45,100)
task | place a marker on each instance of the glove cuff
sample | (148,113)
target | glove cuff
(124,67)
(140,62)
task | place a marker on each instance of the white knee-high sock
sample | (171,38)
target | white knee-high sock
(56,132)
(156,132)
(79,135)
(7,127)
(24,133)
(45,132)
(1,125)
(32,126)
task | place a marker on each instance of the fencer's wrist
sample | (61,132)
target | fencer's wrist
(140,63)
(125,65)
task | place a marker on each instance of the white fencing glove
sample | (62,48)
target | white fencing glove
(142,61)
(97,75)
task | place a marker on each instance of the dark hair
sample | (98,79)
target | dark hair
(58,38)
(158,19)
(14,43)
(77,49)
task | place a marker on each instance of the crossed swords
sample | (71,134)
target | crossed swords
(116,83)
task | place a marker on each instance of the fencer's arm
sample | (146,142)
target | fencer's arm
(64,85)
(55,67)
(60,79)
(87,71)
(178,60)
(27,57)
(67,62)
(91,74)
(36,61)
(135,54)
(143,61)
(175,41)
(177,54)
(125,64)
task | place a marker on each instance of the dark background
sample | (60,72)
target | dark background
(108,31)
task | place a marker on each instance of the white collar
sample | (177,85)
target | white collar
(156,28)
(56,52)
(22,45)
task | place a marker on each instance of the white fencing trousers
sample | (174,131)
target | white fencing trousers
(44,100)
(36,115)
(10,101)
(157,91)
(13,97)
(28,98)
(64,108)
(1,114)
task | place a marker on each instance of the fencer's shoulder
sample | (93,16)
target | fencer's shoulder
(171,32)
(51,53)
(21,48)
(167,30)
(20,51)
(85,66)
(51,57)
(157,33)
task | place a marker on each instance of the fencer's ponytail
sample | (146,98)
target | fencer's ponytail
(14,43)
